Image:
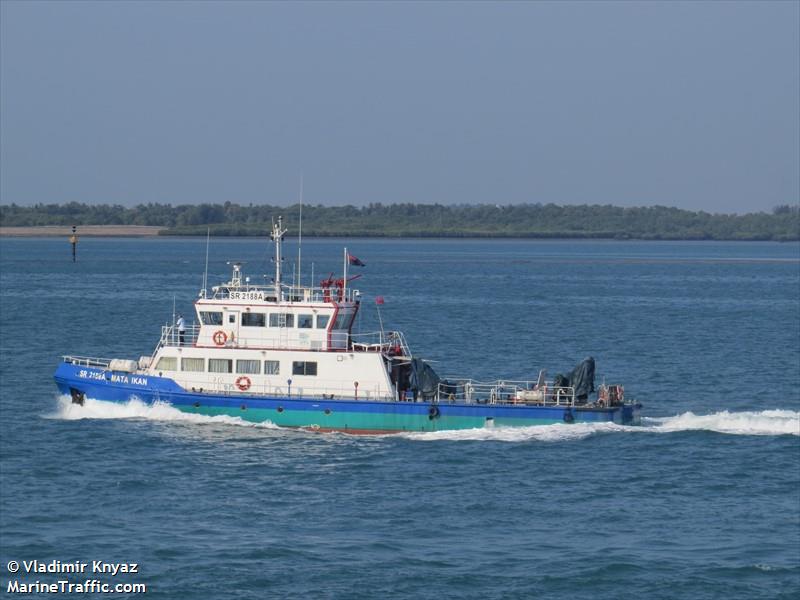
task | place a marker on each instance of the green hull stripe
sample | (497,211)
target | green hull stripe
(361,422)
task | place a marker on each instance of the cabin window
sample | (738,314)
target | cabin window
(249,367)
(342,321)
(193,364)
(232,318)
(281,320)
(272,367)
(220,365)
(304,368)
(254,319)
(322,321)
(167,363)
(305,321)
(211,318)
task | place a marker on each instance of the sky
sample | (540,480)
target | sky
(688,104)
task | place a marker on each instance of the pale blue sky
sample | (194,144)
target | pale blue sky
(687,104)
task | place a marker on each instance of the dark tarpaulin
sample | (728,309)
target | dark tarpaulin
(582,378)
(424,379)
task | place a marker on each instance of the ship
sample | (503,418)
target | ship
(287,354)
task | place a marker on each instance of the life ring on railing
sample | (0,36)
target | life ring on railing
(433,412)
(220,337)
(243,383)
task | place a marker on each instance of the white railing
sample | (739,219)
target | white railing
(469,391)
(380,341)
(88,361)
(288,293)
(170,336)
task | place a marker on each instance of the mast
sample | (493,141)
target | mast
(205,273)
(300,234)
(277,237)
(344,279)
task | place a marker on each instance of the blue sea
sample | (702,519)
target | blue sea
(701,501)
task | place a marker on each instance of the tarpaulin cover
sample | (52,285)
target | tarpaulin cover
(424,379)
(582,378)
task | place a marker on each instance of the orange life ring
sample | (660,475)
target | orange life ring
(220,337)
(243,383)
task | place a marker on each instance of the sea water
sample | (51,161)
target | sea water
(700,501)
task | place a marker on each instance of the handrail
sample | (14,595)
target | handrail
(381,341)
(87,361)
(470,391)
(288,293)
(170,336)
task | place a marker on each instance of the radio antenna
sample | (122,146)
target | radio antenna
(300,233)
(205,273)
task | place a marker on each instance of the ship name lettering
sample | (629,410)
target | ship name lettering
(84,374)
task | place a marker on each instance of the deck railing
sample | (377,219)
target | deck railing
(380,341)
(170,336)
(88,361)
(471,391)
(288,293)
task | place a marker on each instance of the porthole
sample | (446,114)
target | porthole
(327,411)
(280,409)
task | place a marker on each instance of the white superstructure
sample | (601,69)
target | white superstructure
(277,340)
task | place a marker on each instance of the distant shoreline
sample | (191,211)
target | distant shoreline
(146,231)
(83,231)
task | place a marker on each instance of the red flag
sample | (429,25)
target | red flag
(355,261)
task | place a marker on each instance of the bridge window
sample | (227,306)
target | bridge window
(193,364)
(305,321)
(220,365)
(254,319)
(342,321)
(211,318)
(304,368)
(281,320)
(272,367)
(167,363)
(322,321)
(249,367)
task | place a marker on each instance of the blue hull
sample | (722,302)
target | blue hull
(347,415)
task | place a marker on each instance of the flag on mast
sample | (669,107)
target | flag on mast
(355,261)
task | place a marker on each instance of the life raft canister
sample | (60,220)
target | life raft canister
(243,383)
(220,337)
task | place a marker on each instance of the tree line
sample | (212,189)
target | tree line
(425,220)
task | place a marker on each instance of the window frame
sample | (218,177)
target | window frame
(202,362)
(220,360)
(301,367)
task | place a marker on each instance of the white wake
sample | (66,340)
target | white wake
(764,423)
(136,409)
(767,422)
